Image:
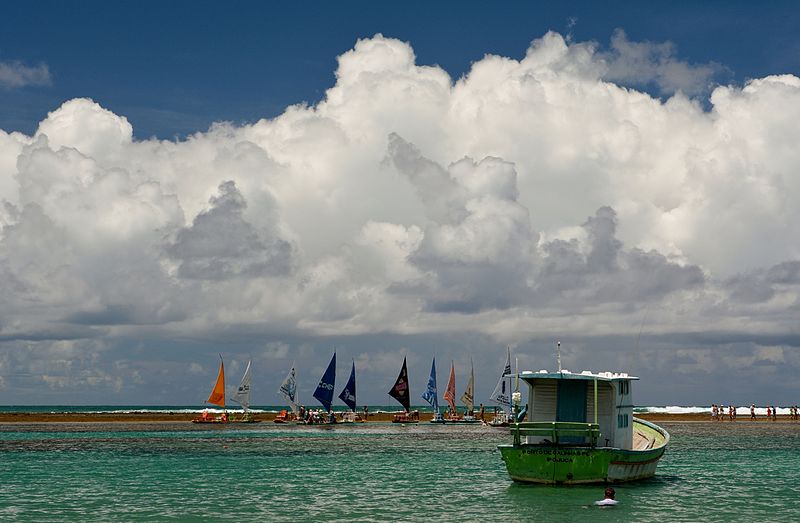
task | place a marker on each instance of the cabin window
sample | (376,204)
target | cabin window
(624,388)
(622,421)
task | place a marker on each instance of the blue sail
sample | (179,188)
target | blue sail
(348,394)
(324,392)
(431,395)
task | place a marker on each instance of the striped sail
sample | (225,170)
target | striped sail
(450,391)
(468,398)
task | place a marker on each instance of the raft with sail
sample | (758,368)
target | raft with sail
(431,395)
(400,391)
(288,390)
(217,397)
(324,391)
(348,397)
(452,416)
(502,395)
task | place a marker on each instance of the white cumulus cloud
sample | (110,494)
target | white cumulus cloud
(528,198)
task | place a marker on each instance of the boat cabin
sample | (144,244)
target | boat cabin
(579,409)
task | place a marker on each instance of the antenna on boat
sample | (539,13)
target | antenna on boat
(558,354)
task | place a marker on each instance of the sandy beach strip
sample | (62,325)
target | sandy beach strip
(148,417)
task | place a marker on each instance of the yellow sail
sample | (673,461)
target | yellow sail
(217,396)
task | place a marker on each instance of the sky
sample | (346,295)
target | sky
(278,182)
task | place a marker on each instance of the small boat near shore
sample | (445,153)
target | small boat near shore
(217,397)
(581,429)
(242,397)
(400,391)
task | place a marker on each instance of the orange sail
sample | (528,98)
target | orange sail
(217,396)
(450,392)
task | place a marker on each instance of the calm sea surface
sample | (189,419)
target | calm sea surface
(264,472)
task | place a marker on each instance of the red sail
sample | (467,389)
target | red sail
(450,392)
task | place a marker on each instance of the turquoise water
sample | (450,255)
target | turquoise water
(265,472)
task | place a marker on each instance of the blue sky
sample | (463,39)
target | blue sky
(173,68)
(278,181)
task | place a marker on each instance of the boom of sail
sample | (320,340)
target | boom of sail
(400,391)
(324,392)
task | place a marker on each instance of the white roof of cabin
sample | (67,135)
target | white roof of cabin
(583,375)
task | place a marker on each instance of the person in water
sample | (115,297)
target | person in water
(608,500)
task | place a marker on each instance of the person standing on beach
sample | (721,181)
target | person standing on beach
(774,413)
(731,410)
(482,411)
(753,411)
(769,413)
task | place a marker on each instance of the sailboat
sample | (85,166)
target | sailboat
(242,397)
(288,390)
(450,392)
(348,396)
(324,391)
(431,395)
(217,397)
(502,395)
(401,392)
(450,396)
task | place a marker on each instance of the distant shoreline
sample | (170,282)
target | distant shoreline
(146,417)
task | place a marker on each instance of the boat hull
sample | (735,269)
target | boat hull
(565,464)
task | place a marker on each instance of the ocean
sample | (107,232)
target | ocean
(744,471)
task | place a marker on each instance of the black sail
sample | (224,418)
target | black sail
(400,390)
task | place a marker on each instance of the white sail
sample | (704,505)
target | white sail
(242,396)
(468,398)
(289,389)
(502,392)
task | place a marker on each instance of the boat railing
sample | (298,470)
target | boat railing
(556,431)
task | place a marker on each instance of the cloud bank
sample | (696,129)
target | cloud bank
(528,200)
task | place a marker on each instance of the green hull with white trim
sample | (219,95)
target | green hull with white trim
(564,463)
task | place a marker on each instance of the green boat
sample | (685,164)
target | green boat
(581,429)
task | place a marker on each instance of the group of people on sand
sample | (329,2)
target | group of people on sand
(315,416)
(718,412)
